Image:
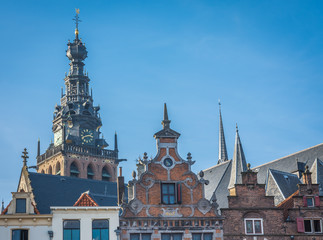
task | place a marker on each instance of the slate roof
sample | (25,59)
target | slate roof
(290,163)
(52,190)
(317,174)
(286,182)
(219,177)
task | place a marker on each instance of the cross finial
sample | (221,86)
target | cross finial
(77,20)
(25,156)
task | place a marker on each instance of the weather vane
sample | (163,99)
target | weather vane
(77,21)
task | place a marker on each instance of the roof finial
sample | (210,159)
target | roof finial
(77,20)
(237,130)
(220,104)
(165,121)
(25,156)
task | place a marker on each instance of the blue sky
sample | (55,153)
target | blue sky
(263,59)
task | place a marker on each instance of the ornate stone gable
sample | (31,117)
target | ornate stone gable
(167,196)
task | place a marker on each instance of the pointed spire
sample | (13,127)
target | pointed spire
(38,148)
(25,156)
(2,206)
(116,142)
(239,163)
(165,121)
(223,155)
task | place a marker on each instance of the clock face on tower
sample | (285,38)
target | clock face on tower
(87,136)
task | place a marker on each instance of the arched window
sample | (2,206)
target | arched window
(74,171)
(42,171)
(58,169)
(90,173)
(105,174)
(50,170)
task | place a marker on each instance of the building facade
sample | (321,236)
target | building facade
(251,214)
(167,200)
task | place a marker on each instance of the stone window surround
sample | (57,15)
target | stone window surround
(253,225)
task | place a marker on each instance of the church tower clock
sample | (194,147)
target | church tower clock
(79,148)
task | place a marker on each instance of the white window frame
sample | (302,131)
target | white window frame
(313,202)
(312,224)
(253,225)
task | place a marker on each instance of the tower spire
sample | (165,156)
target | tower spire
(165,121)
(223,155)
(239,163)
(2,206)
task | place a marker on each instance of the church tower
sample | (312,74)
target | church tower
(79,148)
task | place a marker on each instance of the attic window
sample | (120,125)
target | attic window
(21,205)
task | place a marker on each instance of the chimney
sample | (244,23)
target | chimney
(120,186)
(249,177)
(307,179)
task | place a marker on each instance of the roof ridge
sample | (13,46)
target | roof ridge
(286,173)
(217,165)
(306,149)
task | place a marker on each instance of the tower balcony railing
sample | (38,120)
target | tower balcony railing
(83,150)
(75,98)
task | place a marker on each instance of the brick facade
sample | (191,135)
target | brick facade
(251,214)
(168,198)
(303,211)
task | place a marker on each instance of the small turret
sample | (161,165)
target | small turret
(239,164)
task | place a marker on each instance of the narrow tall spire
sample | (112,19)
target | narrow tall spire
(116,142)
(223,155)
(239,163)
(38,148)
(165,121)
(2,206)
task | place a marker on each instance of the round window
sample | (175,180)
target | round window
(168,162)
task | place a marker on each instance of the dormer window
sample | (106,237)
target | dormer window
(21,205)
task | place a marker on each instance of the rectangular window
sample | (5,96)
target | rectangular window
(19,234)
(135,236)
(201,236)
(100,229)
(140,236)
(310,202)
(308,226)
(21,205)
(313,225)
(71,230)
(168,193)
(171,236)
(253,226)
